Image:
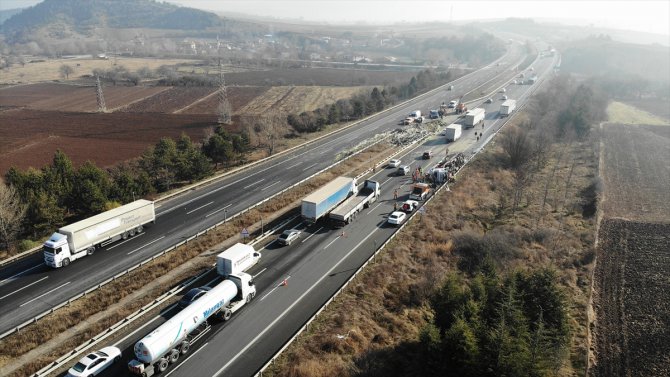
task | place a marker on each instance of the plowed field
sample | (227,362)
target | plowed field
(30,137)
(631,297)
(238,96)
(169,101)
(63,97)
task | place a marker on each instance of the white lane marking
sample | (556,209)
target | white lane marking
(263,270)
(331,242)
(21,273)
(121,243)
(267,187)
(156,240)
(259,181)
(201,207)
(46,293)
(311,235)
(186,359)
(294,165)
(374,208)
(262,333)
(24,287)
(144,325)
(309,167)
(277,286)
(217,211)
(383,183)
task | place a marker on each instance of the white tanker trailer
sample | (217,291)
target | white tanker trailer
(163,346)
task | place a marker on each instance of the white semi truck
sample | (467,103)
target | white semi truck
(237,258)
(474,117)
(507,107)
(163,346)
(82,238)
(453,132)
(322,201)
(346,211)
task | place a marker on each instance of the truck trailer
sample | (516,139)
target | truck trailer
(82,238)
(346,211)
(474,117)
(237,258)
(453,132)
(163,346)
(322,201)
(507,107)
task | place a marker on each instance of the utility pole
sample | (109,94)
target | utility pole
(223,109)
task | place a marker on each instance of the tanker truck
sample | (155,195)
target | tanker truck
(162,347)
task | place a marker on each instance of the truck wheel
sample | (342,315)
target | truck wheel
(227,314)
(174,356)
(183,348)
(90,250)
(249,297)
(162,364)
(132,232)
(125,235)
(65,262)
(140,229)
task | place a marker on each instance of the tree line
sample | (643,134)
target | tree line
(35,202)
(364,104)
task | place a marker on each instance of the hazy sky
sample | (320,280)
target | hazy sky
(647,16)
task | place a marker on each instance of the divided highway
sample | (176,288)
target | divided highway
(315,266)
(28,287)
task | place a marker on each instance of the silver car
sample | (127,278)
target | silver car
(95,362)
(288,236)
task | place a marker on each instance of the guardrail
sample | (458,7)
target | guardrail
(277,155)
(381,247)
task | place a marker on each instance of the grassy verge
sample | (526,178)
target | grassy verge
(66,318)
(386,307)
(618,112)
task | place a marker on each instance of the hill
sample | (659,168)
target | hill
(83,16)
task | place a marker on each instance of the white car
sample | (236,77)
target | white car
(288,236)
(502,90)
(394,163)
(95,362)
(490,100)
(409,205)
(396,218)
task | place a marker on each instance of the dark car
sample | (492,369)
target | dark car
(427,155)
(192,295)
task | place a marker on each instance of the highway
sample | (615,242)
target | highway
(28,287)
(315,266)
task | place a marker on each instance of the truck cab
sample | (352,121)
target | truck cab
(57,251)
(246,290)
(420,191)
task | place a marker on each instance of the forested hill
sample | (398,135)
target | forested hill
(85,14)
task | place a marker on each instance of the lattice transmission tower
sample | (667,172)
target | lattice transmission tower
(224,108)
(99,97)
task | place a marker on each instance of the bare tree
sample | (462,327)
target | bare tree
(517,146)
(267,129)
(12,213)
(65,71)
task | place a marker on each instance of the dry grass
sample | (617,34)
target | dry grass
(66,318)
(296,99)
(385,306)
(618,112)
(49,70)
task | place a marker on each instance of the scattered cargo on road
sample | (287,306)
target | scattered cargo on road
(163,346)
(322,201)
(237,258)
(82,238)
(507,107)
(350,208)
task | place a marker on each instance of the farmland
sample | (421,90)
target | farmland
(319,76)
(631,330)
(297,99)
(169,101)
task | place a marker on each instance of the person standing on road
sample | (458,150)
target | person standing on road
(395,206)
(395,194)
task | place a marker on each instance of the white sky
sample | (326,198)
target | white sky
(647,16)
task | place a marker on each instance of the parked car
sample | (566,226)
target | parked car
(288,236)
(95,362)
(451,87)
(427,155)
(503,90)
(403,170)
(409,205)
(490,100)
(394,163)
(396,218)
(192,295)
(514,82)
(503,98)
(452,104)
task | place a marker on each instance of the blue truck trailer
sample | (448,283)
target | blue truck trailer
(322,201)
